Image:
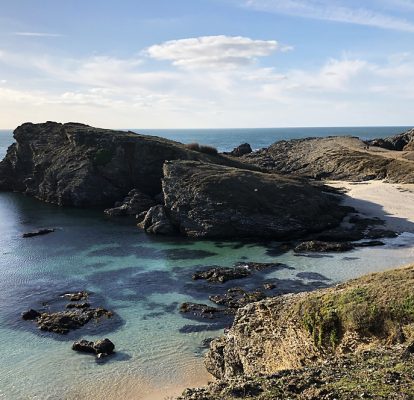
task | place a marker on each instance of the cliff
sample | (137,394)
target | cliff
(328,331)
(78,165)
(214,201)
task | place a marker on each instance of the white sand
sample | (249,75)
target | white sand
(393,203)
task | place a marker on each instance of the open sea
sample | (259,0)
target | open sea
(143,279)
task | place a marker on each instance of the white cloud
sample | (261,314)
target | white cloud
(207,51)
(330,10)
(37,34)
(124,92)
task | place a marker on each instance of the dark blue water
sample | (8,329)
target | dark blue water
(143,279)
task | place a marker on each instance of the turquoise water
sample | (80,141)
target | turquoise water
(142,279)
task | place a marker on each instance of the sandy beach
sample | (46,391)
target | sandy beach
(393,203)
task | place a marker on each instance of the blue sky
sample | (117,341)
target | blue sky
(207,63)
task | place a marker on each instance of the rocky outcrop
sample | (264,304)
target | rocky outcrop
(212,201)
(135,203)
(383,373)
(241,150)
(78,165)
(402,142)
(294,331)
(335,158)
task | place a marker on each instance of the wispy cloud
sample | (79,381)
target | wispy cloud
(337,11)
(207,51)
(37,34)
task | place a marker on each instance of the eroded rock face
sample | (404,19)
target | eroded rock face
(135,203)
(297,330)
(241,150)
(403,141)
(78,165)
(335,158)
(212,201)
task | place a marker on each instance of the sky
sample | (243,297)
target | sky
(207,63)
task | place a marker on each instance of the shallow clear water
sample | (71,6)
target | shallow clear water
(143,279)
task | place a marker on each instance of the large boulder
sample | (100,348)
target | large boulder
(213,201)
(78,165)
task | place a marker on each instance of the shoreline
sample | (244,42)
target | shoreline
(390,202)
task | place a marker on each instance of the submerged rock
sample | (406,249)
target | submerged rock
(203,311)
(222,274)
(77,296)
(39,232)
(101,348)
(212,201)
(323,247)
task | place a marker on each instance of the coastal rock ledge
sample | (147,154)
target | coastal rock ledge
(214,201)
(351,341)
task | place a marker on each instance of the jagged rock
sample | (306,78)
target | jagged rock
(202,311)
(241,150)
(237,297)
(78,165)
(64,321)
(135,203)
(157,222)
(296,331)
(37,233)
(334,158)
(323,247)
(222,274)
(212,201)
(78,305)
(30,315)
(101,348)
(400,142)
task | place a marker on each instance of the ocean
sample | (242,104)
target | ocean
(143,279)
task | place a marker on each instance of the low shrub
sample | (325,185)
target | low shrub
(202,148)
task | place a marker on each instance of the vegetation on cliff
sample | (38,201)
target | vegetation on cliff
(350,341)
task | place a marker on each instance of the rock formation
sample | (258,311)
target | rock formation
(213,201)
(335,158)
(78,165)
(351,341)
(402,142)
(293,331)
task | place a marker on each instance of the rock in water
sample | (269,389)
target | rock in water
(213,201)
(30,315)
(101,348)
(78,165)
(37,233)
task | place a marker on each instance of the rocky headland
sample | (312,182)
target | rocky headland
(346,342)
(340,158)
(77,165)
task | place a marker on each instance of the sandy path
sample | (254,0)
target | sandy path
(394,203)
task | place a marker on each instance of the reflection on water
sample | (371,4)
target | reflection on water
(143,279)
